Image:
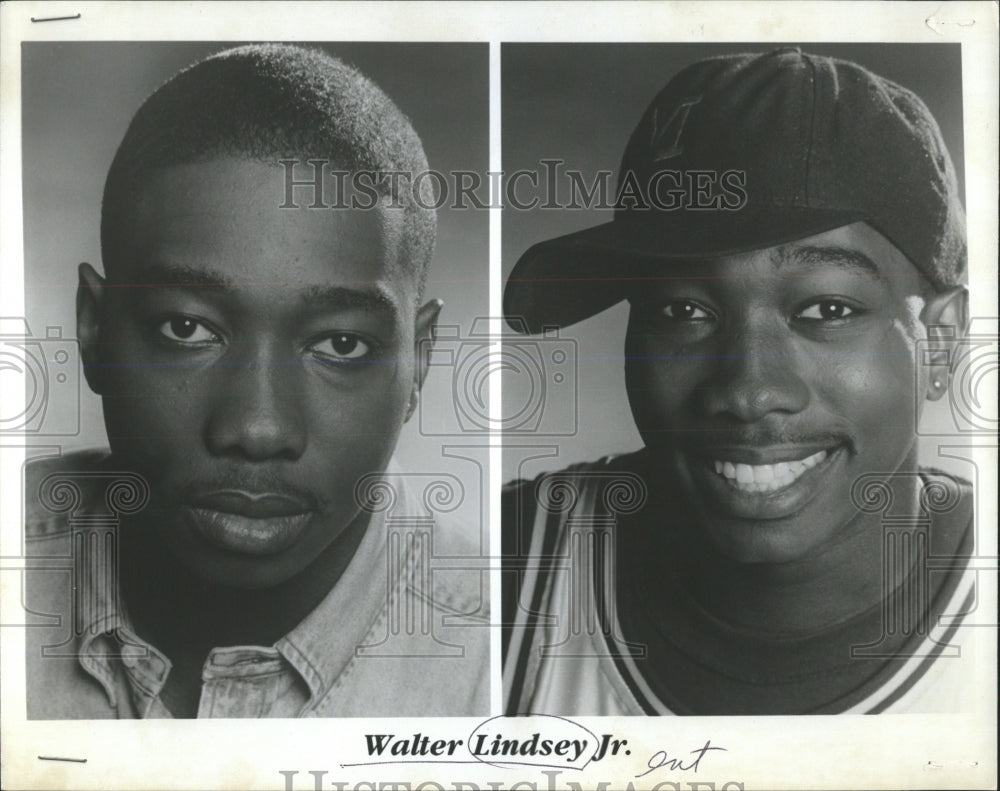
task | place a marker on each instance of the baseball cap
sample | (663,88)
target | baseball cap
(744,152)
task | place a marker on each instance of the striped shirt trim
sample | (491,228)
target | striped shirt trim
(909,675)
(535,582)
(548,528)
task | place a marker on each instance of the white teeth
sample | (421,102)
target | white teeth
(766,477)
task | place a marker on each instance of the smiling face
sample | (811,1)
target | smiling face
(765,383)
(254,364)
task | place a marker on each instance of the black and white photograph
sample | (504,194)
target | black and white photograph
(787,269)
(489,396)
(252,300)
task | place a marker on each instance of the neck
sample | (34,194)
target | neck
(185,616)
(835,582)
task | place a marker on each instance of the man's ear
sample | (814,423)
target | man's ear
(946,316)
(89,309)
(423,342)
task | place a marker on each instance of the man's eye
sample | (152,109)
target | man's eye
(683,310)
(827,310)
(342,346)
(184,329)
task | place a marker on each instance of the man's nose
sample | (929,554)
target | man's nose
(758,371)
(257,412)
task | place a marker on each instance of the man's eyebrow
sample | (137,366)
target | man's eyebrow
(371,299)
(812,257)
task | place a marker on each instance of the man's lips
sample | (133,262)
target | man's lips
(254,505)
(253,523)
(764,453)
(767,477)
(764,482)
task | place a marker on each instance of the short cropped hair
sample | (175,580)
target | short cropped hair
(266,102)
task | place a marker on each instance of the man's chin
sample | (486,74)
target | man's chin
(214,563)
(765,543)
(243,575)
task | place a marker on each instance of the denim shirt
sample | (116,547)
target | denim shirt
(393,637)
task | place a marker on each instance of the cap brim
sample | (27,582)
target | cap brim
(564,280)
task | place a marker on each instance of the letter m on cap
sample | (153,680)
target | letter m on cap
(668,126)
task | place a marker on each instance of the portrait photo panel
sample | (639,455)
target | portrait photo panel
(736,284)
(241,298)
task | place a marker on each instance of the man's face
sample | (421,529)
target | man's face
(765,383)
(257,364)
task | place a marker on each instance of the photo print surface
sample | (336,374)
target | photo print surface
(744,271)
(238,446)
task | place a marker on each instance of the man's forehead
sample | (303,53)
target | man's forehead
(221,223)
(177,201)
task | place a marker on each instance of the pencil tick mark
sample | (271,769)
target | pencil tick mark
(57,758)
(54,18)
